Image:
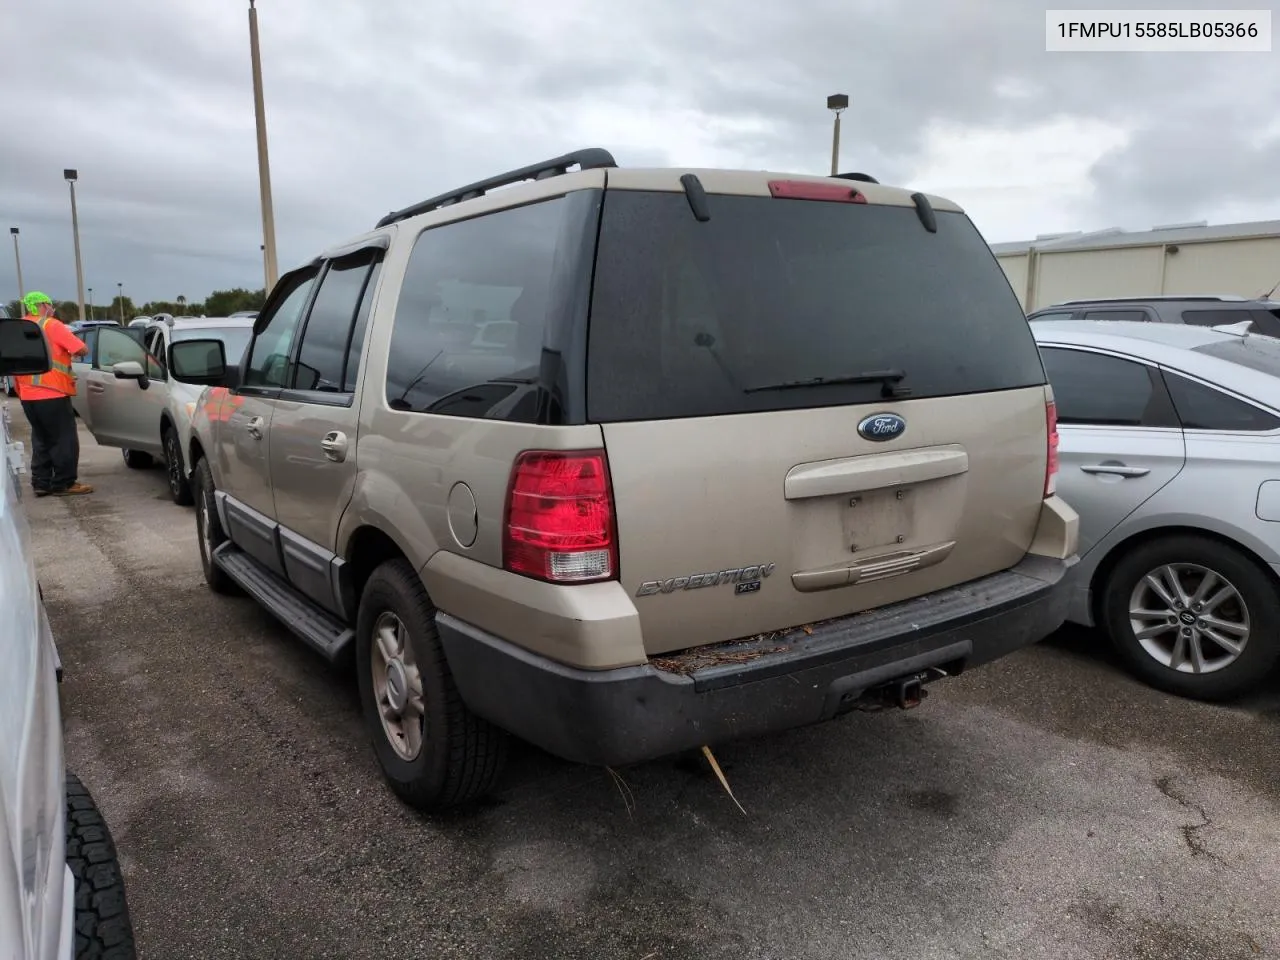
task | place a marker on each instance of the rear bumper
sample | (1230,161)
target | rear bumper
(711,695)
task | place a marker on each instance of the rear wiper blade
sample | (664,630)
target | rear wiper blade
(888,378)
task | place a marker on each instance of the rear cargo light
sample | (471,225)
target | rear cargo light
(809,190)
(1051,462)
(560,523)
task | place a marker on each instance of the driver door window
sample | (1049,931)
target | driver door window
(269,357)
(115,346)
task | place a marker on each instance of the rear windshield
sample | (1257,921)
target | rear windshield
(694,318)
(1256,353)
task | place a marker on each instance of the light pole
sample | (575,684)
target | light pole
(264,165)
(120,300)
(91,303)
(17,259)
(266,273)
(837,103)
(70,177)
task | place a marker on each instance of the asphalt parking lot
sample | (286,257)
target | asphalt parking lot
(1045,806)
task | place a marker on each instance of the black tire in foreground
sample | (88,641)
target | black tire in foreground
(1194,616)
(136,459)
(103,930)
(209,531)
(179,488)
(446,755)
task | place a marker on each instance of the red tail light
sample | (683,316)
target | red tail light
(560,523)
(811,190)
(1051,463)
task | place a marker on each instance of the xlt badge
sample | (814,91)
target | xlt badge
(744,579)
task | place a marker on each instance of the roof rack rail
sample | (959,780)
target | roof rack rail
(591,158)
(861,177)
(1192,298)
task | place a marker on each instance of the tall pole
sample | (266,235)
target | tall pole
(120,300)
(17,259)
(91,303)
(264,165)
(837,103)
(70,176)
(265,271)
(835,147)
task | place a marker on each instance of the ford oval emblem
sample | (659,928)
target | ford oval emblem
(882,426)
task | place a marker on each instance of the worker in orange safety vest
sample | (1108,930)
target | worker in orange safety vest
(46,400)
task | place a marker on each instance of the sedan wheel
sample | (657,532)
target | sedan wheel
(1193,616)
(1189,618)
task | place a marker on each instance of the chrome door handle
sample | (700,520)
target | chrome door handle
(254,427)
(1115,469)
(334,445)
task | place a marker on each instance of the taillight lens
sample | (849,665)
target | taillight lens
(560,524)
(1051,462)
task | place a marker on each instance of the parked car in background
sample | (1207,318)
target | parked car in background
(744,503)
(1200,311)
(79,326)
(1169,450)
(127,399)
(62,894)
(141,321)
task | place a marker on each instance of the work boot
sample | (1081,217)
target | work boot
(74,490)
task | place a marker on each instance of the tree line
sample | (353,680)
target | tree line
(220,303)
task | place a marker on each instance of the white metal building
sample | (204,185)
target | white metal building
(1193,258)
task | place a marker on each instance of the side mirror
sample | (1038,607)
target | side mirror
(128,370)
(23,352)
(201,362)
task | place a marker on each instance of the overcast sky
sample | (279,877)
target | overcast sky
(374,105)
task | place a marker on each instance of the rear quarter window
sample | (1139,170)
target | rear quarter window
(692,318)
(479,299)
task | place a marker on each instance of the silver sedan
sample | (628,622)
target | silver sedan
(1170,452)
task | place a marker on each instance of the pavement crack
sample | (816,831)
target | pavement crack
(1190,831)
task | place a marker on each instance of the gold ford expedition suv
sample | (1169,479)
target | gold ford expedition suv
(626,462)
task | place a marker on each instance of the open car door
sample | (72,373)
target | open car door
(123,412)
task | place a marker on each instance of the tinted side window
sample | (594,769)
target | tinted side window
(1214,318)
(269,355)
(1204,408)
(1266,322)
(1138,315)
(473,309)
(323,351)
(355,349)
(1050,316)
(1091,388)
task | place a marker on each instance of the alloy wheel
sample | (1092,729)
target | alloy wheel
(397,686)
(1189,618)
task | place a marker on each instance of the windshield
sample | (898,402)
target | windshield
(694,318)
(234,339)
(1256,353)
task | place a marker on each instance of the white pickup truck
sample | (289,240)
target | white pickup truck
(61,890)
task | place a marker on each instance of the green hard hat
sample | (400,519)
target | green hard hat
(33,300)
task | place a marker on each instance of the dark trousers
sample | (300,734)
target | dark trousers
(55,444)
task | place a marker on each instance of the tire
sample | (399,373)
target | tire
(136,459)
(1255,607)
(179,486)
(103,930)
(209,531)
(460,756)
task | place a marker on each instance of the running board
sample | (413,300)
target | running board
(316,626)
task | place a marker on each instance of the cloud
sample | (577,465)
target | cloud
(373,106)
